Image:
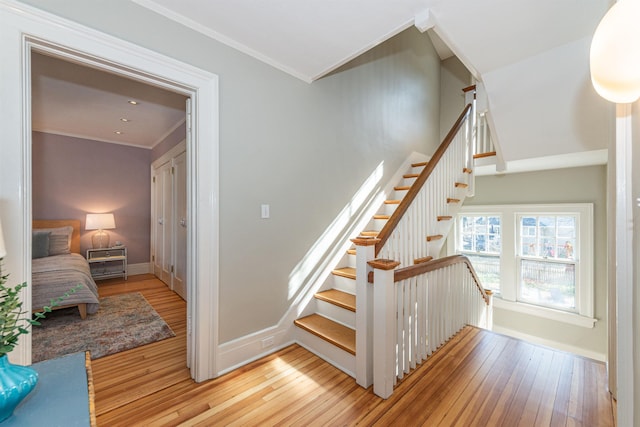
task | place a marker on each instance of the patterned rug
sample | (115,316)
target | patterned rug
(123,322)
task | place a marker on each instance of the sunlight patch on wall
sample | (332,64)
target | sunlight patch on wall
(333,243)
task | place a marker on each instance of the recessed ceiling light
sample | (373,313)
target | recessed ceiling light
(124,119)
(133,102)
(118,132)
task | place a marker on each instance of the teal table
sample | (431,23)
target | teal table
(61,397)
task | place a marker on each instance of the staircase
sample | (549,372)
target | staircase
(330,330)
(409,229)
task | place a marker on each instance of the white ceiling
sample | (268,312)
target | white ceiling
(78,101)
(531,56)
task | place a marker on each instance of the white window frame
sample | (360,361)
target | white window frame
(507,298)
(458,236)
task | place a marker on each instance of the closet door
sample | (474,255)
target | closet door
(162,221)
(180,225)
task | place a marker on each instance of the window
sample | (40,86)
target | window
(537,259)
(480,242)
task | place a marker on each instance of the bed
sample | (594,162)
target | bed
(57,267)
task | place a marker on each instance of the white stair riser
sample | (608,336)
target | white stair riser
(407,182)
(399,194)
(344,284)
(378,224)
(351,260)
(339,358)
(389,209)
(338,314)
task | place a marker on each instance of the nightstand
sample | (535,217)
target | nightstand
(106,263)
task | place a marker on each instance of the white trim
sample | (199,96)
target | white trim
(601,357)
(106,141)
(202,29)
(544,312)
(624,249)
(140,268)
(560,161)
(23,27)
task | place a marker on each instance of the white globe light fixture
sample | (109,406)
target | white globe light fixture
(615,53)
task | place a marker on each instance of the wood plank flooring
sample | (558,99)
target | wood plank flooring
(477,379)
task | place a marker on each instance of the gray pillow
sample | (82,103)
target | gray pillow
(40,244)
(59,240)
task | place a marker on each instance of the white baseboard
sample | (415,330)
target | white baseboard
(553,344)
(142,268)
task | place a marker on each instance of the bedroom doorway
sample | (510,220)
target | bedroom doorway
(86,46)
(94,137)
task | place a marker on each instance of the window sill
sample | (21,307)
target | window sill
(544,312)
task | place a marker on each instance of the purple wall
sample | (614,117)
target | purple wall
(74,176)
(169,142)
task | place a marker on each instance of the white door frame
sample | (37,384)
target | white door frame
(23,28)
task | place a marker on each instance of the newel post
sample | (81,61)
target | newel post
(489,312)
(365,252)
(384,321)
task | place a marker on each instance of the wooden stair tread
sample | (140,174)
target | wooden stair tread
(450,200)
(434,237)
(419,164)
(392,202)
(339,298)
(467,170)
(330,331)
(379,216)
(483,155)
(422,260)
(461,185)
(402,188)
(444,217)
(370,233)
(351,251)
(348,272)
(411,175)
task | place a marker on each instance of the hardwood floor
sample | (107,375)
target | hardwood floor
(477,379)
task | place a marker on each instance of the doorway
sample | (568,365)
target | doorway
(83,45)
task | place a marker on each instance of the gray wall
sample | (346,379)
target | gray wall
(168,142)
(305,149)
(73,177)
(454,77)
(573,185)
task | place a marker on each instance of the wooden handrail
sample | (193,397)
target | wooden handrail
(418,269)
(392,223)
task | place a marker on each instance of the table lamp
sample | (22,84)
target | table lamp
(100,222)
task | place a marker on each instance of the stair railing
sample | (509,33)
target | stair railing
(417,310)
(404,236)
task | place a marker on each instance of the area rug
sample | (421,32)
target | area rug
(123,322)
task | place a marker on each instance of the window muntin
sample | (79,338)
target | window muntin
(546,263)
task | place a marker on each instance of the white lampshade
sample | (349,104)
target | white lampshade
(100,222)
(104,221)
(615,53)
(3,249)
